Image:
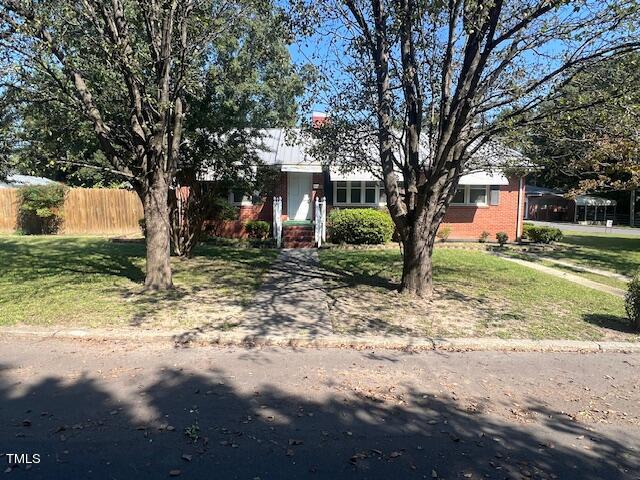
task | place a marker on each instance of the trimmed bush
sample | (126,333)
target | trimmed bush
(632,302)
(502,238)
(443,233)
(41,208)
(360,226)
(542,234)
(257,229)
(484,236)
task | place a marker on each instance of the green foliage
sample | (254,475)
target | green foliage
(444,232)
(360,226)
(632,302)
(41,208)
(541,234)
(502,238)
(484,236)
(257,229)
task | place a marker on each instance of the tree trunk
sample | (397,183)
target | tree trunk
(156,215)
(417,273)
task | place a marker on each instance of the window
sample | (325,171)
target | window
(494,195)
(459,196)
(357,193)
(237,197)
(370,189)
(478,194)
(341,192)
(470,195)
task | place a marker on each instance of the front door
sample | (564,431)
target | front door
(299,195)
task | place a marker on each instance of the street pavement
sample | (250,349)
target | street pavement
(599,229)
(126,410)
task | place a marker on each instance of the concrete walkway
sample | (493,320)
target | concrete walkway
(596,271)
(566,275)
(292,299)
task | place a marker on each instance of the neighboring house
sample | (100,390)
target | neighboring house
(545,204)
(17,181)
(485,201)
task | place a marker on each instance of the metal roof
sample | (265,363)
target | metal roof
(15,181)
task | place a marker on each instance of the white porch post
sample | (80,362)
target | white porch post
(277,220)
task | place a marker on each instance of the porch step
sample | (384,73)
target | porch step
(298,236)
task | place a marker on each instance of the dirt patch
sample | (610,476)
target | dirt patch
(372,310)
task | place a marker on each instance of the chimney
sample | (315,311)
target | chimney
(318,119)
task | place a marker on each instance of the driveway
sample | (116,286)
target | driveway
(126,410)
(599,229)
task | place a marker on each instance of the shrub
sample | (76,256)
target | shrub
(484,236)
(257,229)
(526,226)
(632,302)
(542,234)
(360,226)
(40,210)
(443,233)
(502,238)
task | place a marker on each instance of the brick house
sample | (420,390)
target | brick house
(486,200)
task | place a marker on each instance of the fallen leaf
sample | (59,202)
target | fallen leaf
(186,457)
(175,473)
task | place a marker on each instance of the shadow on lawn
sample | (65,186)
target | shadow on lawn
(50,256)
(83,427)
(611,322)
(214,279)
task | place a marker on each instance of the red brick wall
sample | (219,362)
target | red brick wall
(263,211)
(468,222)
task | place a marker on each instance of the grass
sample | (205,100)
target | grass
(619,253)
(476,295)
(90,281)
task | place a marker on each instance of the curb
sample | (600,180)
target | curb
(248,339)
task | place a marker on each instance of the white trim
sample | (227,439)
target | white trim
(362,203)
(467,195)
(302,168)
(483,178)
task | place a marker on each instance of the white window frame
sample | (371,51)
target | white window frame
(467,196)
(363,187)
(245,202)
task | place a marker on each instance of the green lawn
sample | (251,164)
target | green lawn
(477,295)
(620,253)
(90,281)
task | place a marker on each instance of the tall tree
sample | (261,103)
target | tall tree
(419,90)
(594,143)
(127,68)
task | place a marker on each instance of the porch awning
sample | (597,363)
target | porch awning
(302,168)
(351,176)
(483,178)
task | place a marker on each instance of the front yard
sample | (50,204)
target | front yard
(90,281)
(619,253)
(476,295)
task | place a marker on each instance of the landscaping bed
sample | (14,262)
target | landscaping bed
(91,282)
(477,295)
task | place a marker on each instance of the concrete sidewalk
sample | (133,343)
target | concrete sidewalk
(316,340)
(585,282)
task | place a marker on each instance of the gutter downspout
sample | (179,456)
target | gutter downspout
(520,210)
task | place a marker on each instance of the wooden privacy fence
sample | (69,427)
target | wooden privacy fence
(86,210)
